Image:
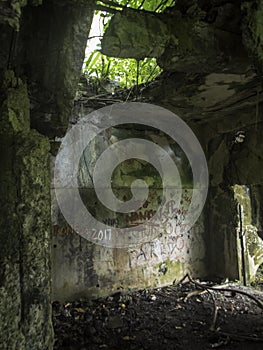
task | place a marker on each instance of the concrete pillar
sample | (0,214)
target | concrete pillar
(25,307)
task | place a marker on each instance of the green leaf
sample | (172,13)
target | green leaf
(93,58)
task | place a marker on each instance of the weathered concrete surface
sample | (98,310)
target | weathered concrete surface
(10,11)
(180,41)
(50,52)
(221,233)
(47,52)
(252,242)
(252,33)
(81,268)
(25,308)
(245,163)
(231,163)
(133,34)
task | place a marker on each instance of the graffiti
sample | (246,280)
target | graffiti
(100,235)
(96,235)
(166,238)
(168,219)
(111,222)
(141,216)
(62,230)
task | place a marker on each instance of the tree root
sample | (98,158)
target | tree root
(207,289)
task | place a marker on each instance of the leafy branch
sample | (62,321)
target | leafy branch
(140,5)
(124,72)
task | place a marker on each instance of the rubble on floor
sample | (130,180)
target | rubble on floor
(182,316)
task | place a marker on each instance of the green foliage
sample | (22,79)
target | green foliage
(125,72)
(148,5)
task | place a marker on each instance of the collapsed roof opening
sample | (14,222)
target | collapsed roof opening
(107,73)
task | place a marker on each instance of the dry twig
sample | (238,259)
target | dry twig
(222,289)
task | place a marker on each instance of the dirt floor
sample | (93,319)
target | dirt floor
(172,317)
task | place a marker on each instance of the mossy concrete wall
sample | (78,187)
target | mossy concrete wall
(252,33)
(81,268)
(84,269)
(221,236)
(50,51)
(253,243)
(235,168)
(44,44)
(25,309)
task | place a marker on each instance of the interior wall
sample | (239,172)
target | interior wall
(85,269)
(235,168)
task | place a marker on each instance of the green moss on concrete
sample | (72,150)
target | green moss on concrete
(25,308)
(173,270)
(253,244)
(14,110)
(243,198)
(14,118)
(130,170)
(133,34)
(32,166)
(11,10)
(255,249)
(11,336)
(252,26)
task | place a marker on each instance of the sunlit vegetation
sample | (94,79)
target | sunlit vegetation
(123,73)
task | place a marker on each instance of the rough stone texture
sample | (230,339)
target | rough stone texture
(181,38)
(50,52)
(25,308)
(221,233)
(10,12)
(219,90)
(231,163)
(252,242)
(256,205)
(252,12)
(132,34)
(245,164)
(47,52)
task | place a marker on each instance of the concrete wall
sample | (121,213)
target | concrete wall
(253,244)
(81,268)
(44,45)
(25,276)
(235,170)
